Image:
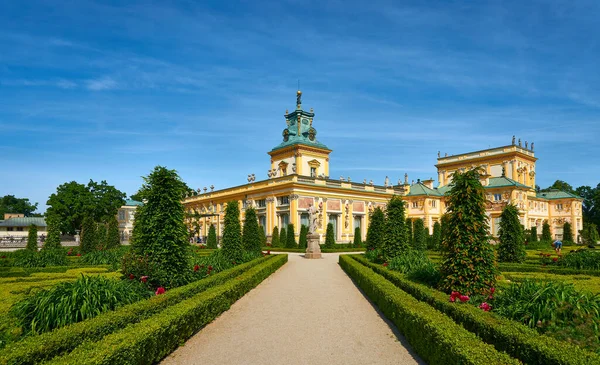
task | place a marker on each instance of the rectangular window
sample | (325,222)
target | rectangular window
(415,205)
(304,219)
(10,229)
(433,203)
(261,203)
(283,200)
(357,221)
(284,220)
(333,219)
(20,229)
(313,172)
(121,215)
(497,197)
(559,206)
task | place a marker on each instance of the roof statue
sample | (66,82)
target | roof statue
(513,140)
(520,142)
(531,146)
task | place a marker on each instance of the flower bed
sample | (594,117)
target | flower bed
(434,336)
(35,349)
(516,339)
(150,340)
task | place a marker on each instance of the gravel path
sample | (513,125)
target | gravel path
(308,312)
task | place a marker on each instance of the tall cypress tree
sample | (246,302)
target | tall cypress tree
(101,235)
(468,265)
(32,238)
(357,237)
(275,241)
(410,234)
(329,236)
(546,235)
(112,237)
(251,232)
(534,235)
(419,237)
(211,241)
(160,235)
(290,241)
(232,232)
(567,232)
(436,238)
(303,240)
(53,239)
(395,240)
(375,232)
(263,236)
(512,237)
(88,242)
(282,237)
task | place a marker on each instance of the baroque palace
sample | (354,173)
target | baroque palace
(299,177)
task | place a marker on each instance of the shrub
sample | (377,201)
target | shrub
(101,236)
(581,259)
(251,232)
(546,236)
(275,237)
(88,241)
(417,266)
(567,232)
(263,236)
(329,236)
(113,257)
(159,232)
(232,237)
(53,239)
(410,234)
(534,235)
(395,239)
(211,241)
(282,237)
(376,230)
(419,235)
(291,237)
(436,238)
(375,255)
(357,237)
(75,301)
(511,248)
(434,336)
(468,264)
(217,261)
(32,238)
(112,237)
(589,235)
(303,240)
(43,258)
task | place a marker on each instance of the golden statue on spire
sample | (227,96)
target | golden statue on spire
(299,98)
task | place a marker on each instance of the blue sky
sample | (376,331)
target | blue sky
(107,90)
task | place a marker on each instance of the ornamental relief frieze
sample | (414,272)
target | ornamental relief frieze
(334,204)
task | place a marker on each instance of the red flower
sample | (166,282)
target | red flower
(196,267)
(3,256)
(385,264)
(209,267)
(464,298)
(268,252)
(492,290)
(160,290)
(68,254)
(78,254)
(144,279)
(486,307)
(131,276)
(452,299)
(455,294)
(555,259)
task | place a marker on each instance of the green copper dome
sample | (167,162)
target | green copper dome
(299,128)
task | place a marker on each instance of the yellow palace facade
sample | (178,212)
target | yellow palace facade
(298,177)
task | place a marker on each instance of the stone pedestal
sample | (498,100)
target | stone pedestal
(313,251)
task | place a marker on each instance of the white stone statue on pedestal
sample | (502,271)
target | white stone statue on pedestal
(312,219)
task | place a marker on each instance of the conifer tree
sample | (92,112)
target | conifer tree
(53,239)
(88,242)
(567,232)
(32,238)
(329,236)
(251,232)
(232,232)
(444,228)
(589,234)
(112,237)
(303,240)
(546,235)
(211,240)
(395,241)
(263,236)
(534,235)
(419,236)
(290,241)
(410,235)
(101,234)
(512,238)
(357,237)
(468,264)
(275,242)
(375,232)
(436,238)
(283,237)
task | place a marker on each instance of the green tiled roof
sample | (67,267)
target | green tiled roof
(133,203)
(502,181)
(23,222)
(420,189)
(556,194)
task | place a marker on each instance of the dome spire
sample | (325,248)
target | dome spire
(298,99)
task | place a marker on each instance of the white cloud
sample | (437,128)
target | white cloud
(105,83)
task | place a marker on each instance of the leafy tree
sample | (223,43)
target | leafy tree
(357,237)
(444,227)
(546,235)
(263,236)
(282,237)
(420,236)
(562,186)
(88,242)
(53,227)
(468,264)
(329,236)
(436,238)
(376,230)
(232,232)
(589,235)
(112,236)
(290,241)
(251,232)
(211,241)
(275,242)
(591,203)
(106,200)
(159,232)
(534,235)
(32,238)
(512,238)
(395,240)
(567,232)
(303,239)
(11,204)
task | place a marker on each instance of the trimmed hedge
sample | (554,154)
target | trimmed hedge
(323,250)
(42,347)
(148,341)
(546,269)
(433,335)
(518,340)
